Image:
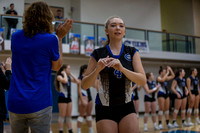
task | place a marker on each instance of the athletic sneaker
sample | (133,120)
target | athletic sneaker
(169,126)
(146,129)
(156,128)
(185,124)
(160,126)
(197,121)
(190,123)
(175,125)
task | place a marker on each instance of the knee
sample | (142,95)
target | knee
(89,118)
(61,119)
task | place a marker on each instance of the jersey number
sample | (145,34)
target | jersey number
(118,74)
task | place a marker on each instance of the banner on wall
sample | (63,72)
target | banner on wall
(89,45)
(141,45)
(74,40)
(1,39)
(101,41)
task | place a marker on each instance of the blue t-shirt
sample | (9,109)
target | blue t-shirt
(30,88)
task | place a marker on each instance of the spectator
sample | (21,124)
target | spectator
(5,76)
(59,14)
(12,22)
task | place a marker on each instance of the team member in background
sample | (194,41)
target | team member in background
(118,66)
(150,100)
(5,77)
(135,96)
(85,103)
(163,95)
(193,85)
(64,77)
(180,90)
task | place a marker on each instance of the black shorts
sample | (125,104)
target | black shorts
(182,96)
(195,92)
(148,99)
(64,100)
(115,113)
(164,95)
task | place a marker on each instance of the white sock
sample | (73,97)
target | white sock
(154,124)
(90,130)
(189,119)
(78,130)
(145,124)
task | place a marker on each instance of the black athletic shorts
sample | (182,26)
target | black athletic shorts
(115,113)
(195,92)
(64,100)
(164,95)
(182,96)
(148,99)
(135,98)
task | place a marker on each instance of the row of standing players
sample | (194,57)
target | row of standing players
(63,81)
(182,89)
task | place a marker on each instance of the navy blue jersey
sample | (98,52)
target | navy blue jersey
(115,87)
(180,87)
(194,83)
(151,85)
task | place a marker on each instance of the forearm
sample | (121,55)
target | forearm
(89,79)
(138,78)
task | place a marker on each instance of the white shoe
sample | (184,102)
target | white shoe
(197,122)
(185,124)
(156,128)
(146,129)
(160,126)
(175,125)
(169,126)
(190,124)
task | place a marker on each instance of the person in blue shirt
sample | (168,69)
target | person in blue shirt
(35,53)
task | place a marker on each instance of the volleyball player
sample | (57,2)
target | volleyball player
(180,90)
(163,95)
(193,85)
(64,77)
(150,100)
(135,96)
(118,66)
(85,103)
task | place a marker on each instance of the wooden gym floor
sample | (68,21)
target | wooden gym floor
(54,126)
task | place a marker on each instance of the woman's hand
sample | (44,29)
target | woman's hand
(116,64)
(102,63)
(178,95)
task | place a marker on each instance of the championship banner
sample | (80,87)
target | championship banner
(141,45)
(101,41)
(1,39)
(74,40)
(89,45)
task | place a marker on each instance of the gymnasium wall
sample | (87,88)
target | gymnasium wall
(143,14)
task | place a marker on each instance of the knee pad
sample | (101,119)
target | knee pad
(196,111)
(61,119)
(167,112)
(153,114)
(80,119)
(189,110)
(160,113)
(183,111)
(146,114)
(176,111)
(89,118)
(68,119)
